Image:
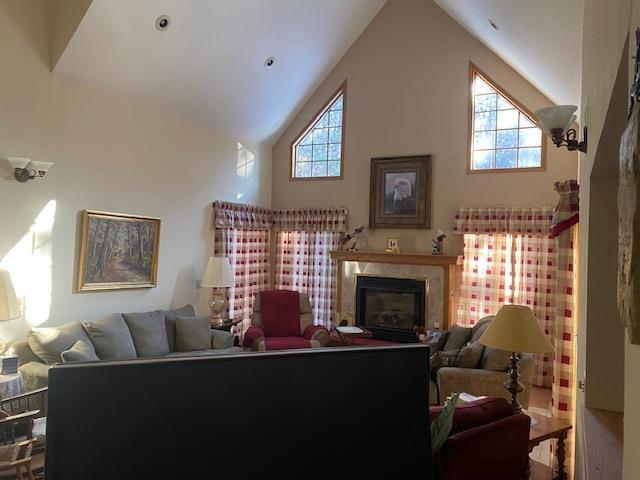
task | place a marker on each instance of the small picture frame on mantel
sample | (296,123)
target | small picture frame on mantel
(393,245)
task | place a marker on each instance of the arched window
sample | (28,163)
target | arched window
(318,151)
(503,135)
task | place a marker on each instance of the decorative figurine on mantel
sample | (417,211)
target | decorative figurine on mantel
(352,237)
(438,243)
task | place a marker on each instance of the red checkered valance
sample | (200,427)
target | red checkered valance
(239,215)
(331,219)
(534,220)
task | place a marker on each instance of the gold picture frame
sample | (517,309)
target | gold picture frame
(393,245)
(117,251)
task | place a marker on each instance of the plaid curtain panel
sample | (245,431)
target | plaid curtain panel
(503,219)
(304,264)
(566,214)
(248,252)
(517,269)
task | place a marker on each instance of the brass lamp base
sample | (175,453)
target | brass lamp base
(218,306)
(513,385)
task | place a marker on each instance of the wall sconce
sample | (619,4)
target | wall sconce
(26,169)
(555,121)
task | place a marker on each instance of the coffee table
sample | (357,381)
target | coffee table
(349,338)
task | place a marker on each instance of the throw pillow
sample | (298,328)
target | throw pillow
(111,338)
(470,355)
(48,343)
(457,338)
(193,333)
(477,333)
(80,352)
(149,333)
(170,322)
(495,360)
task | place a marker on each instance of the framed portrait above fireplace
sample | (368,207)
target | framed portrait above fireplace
(400,192)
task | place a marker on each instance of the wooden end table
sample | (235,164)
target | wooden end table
(226,326)
(349,338)
(548,428)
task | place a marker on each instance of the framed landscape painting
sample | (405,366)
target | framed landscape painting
(400,192)
(117,251)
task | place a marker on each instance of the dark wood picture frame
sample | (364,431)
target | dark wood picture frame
(400,192)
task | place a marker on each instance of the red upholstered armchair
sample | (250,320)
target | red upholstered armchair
(281,320)
(487,440)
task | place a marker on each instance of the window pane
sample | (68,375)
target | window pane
(308,138)
(503,103)
(304,153)
(334,169)
(483,160)
(337,105)
(480,86)
(507,158)
(303,169)
(507,138)
(529,157)
(525,122)
(335,134)
(530,137)
(319,152)
(323,122)
(485,121)
(484,140)
(319,135)
(485,102)
(334,151)
(335,118)
(319,169)
(508,118)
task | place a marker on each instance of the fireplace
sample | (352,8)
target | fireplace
(391,308)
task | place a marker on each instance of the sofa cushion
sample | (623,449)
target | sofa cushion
(280,313)
(478,330)
(81,351)
(48,343)
(496,360)
(111,338)
(170,322)
(286,343)
(457,338)
(441,359)
(149,333)
(469,356)
(193,333)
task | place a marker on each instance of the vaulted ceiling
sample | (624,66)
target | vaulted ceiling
(540,39)
(210,62)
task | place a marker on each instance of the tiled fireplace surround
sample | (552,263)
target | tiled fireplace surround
(441,273)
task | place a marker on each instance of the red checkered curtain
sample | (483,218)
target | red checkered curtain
(508,260)
(305,239)
(242,235)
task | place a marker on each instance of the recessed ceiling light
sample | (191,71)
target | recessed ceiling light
(163,22)
(493,24)
(269,62)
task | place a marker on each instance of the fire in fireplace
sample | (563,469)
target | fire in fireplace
(391,308)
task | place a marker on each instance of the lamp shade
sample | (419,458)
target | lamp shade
(218,273)
(9,307)
(560,116)
(516,329)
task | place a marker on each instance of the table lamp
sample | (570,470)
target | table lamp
(515,329)
(9,306)
(218,275)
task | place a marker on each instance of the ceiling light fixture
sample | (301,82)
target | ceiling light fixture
(269,62)
(556,122)
(162,22)
(26,169)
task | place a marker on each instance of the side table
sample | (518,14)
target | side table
(226,326)
(546,429)
(11,385)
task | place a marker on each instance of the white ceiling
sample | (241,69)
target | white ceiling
(210,62)
(541,39)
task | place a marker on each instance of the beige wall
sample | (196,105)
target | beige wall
(109,154)
(408,88)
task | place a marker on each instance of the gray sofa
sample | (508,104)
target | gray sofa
(159,333)
(486,378)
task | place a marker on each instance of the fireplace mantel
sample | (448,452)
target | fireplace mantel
(446,268)
(397,258)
